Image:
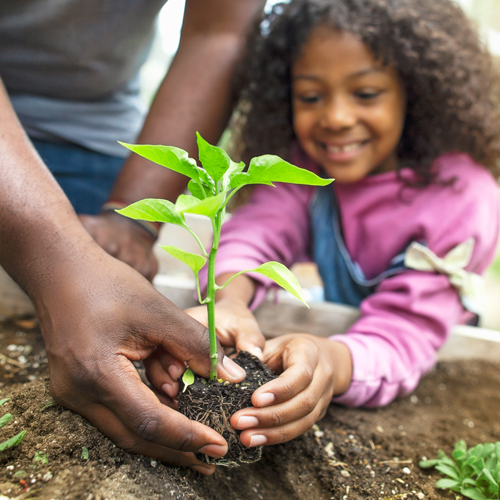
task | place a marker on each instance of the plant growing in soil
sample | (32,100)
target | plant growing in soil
(474,473)
(211,188)
(14,440)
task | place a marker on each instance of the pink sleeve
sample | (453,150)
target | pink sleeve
(410,316)
(273,225)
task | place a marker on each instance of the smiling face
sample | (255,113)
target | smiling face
(348,108)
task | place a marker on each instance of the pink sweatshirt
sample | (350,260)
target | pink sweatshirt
(410,315)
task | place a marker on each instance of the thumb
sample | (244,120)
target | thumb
(188,340)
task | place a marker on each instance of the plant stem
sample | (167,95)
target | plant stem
(211,313)
(210,299)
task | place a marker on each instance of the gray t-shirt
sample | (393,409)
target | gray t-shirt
(71,67)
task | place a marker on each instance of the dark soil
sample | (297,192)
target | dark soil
(213,402)
(351,454)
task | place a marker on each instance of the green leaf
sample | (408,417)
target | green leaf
(187,379)
(40,457)
(193,260)
(13,441)
(85,453)
(450,484)
(214,159)
(282,276)
(5,419)
(154,210)
(449,470)
(3,401)
(426,464)
(207,207)
(175,159)
(473,493)
(270,168)
(198,190)
(234,168)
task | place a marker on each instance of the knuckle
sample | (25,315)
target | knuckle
(148,427)
(309,403)
(275,419)
(307,373)
(127,444)
(288,389)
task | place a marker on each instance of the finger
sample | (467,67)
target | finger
(246,337)
(163,371)
(137,407)
(112,427)
(300,359)
(281,434)
(195,347)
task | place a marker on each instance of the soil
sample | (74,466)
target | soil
(213,402)
(351,454)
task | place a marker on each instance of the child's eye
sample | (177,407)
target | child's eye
(308,99)
(367,94)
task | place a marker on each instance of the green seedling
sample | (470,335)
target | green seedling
(211,188)
(40,456)
(15,440)
(85,453)
(474,473)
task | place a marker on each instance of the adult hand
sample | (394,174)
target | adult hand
(123,239)
(95,325)
(236,327)
(313,370)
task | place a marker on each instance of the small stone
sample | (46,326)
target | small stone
(406,470)
(47,477)
(345,473)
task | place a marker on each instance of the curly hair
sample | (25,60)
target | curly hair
(450,79)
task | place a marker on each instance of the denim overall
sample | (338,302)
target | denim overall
(343,279)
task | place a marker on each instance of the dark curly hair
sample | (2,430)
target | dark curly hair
(450,79)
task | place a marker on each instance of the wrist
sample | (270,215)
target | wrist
(149,227)
(341,359)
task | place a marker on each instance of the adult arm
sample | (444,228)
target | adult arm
(194,96)
(97,315)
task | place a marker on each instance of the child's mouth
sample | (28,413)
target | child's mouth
(344,152)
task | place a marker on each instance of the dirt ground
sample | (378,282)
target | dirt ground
(351,454)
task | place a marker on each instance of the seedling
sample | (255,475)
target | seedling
(474,473)
(15,440)
(211,188)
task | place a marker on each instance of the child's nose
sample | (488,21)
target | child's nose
(338,114)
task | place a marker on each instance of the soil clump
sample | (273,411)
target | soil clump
(213,402)
(351,454)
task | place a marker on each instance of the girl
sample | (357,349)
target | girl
(398,101)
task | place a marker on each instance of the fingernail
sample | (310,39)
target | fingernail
(265,399)
(247,422)
(202,469)
(174,372)
(168,389)
(213,450)
(236,371)
(257,440)
(257,351)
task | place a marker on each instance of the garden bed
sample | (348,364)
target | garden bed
(352,454)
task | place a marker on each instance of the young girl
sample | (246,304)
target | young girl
(398,101)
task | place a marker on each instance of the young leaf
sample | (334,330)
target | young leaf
(282,276)
(207,207)
(13,441)
(198,190)
(154,210)
(85,453)
(5,419)
(175,159)
(234,168)
(267,169)
(214,159)
(450,484)
(187,379)
(3,401)
(474,494)
(193,260)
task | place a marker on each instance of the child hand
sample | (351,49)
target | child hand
(236,326)
(314,369)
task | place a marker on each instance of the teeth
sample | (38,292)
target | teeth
(344,149)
